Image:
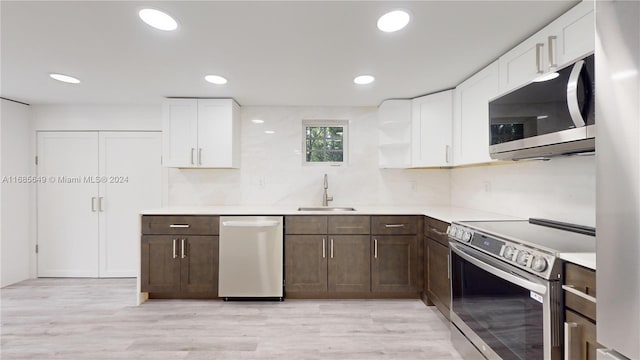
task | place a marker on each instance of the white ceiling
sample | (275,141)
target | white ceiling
(272,53)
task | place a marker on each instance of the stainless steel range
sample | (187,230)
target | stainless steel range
(506,285)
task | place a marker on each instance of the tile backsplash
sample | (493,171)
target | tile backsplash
(272,170)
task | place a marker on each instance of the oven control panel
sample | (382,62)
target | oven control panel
(524,257)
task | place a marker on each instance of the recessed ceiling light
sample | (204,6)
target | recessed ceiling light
(158,19)
(257,121)
(65,78)
(269,132)
(393,21)
(546,77)
(364,79)
(216,79)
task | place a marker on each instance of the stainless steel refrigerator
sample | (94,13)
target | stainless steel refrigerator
(617,57)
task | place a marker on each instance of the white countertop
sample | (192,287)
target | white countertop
(442,213)
(586,259)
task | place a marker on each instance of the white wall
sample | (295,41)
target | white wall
(560,189)
(272,170)
(16,200)
(97,117)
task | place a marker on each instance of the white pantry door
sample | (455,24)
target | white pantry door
(67,216)
(130,162)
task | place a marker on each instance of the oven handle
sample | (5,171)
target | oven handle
(531,286)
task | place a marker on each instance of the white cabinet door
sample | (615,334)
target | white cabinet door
(180,132)
(218,133)
(431,130)
(67,213)
(130,161)
(575,31)
(524,63)
(471,116)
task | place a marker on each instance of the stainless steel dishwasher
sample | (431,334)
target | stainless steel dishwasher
(251,257)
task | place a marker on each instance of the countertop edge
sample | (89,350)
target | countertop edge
(586,259)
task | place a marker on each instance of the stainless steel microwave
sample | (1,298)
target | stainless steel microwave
(552,115)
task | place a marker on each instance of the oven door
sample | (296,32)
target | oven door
(505,312)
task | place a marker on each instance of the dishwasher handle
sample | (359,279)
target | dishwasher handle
(237,223)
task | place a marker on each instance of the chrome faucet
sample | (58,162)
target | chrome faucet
(326,198)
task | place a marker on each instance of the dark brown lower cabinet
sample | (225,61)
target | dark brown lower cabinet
(349,263)
(306,263)
(438,288)
(327,263)
(582,344)
(394,264)
(179,264)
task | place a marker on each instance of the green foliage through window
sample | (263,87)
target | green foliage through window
(324,143)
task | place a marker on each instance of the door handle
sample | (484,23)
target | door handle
(324,248)
(446,153)
(539,47)
(572,95)
(199,156)
(571,343)
(375,248)
(175,248)
(100,208)
(331,248)
(183,253)
(192,151)
(551,42)
(93,204)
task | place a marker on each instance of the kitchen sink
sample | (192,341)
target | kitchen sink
(326,208)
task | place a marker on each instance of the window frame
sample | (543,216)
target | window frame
(344,124)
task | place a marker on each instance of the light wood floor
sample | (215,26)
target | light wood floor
(96,319)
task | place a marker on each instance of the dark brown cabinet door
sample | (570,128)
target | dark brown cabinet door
(439,290)
(306,263)
(394,266)
(583,342)
(160,263)
(349,266)
(199,262)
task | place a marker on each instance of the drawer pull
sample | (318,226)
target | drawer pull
(434,230)
(571,342)
(393,225)
(183,226)
(571,289)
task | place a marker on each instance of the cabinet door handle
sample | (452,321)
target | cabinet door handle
(446,153)
(179,225)
(571,342)
(175,248)
(100,207)
(539,68)
(393,225)
(375,248)
(183,253)
(199,156)
(551,42)
(192,151)
(324,248)
(572,289)
(93,204)
(331,248)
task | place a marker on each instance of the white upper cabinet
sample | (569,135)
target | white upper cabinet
(567,38)
(201,133)
(394,137)
(471,116)
(431,130)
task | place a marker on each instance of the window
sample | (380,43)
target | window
(325,141)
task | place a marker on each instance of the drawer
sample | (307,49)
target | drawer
(180,225)
(349,224)
(581,280)
(305,224)
(394,225)
(437,230)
